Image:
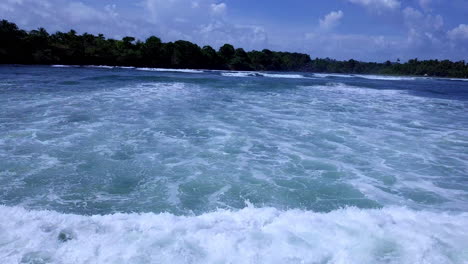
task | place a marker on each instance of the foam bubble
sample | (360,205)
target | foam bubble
(170,70)
(326,75)
(100,66)
(250,235)
(383,77)
(345,88)
(365,76)
(65,66)
(261,74)
(459,79)
(240,74)
(61,66)
(289,76)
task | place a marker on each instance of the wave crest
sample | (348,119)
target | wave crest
(260,235)
(262,74)
(170,70)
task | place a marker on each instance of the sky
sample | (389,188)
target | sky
(367,30)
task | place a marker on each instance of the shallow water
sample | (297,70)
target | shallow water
(245,167)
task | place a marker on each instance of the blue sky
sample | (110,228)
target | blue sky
(369,30)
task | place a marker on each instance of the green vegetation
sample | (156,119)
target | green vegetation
(39,47)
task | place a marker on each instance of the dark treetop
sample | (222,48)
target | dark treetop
(39,47)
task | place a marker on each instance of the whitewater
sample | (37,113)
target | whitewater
(102,164)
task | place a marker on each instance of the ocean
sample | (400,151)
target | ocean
(104,164)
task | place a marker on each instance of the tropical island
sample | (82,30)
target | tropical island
(19,46)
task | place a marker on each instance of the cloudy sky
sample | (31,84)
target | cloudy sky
(370,30)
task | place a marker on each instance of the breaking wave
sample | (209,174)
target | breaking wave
(327,75)
(170,70)
(290,76)
(369,77)
(458,79)
(100,66)
(63,66)
(240,74)
(261,74)
(388,78)
(250,235)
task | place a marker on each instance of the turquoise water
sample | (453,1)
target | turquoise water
(125,165)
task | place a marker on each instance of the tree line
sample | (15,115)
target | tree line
(18,46)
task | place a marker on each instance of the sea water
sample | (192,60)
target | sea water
(147,165)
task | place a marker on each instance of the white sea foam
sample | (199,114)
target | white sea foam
(100,66)
(384,77)
(365,76)
(342,88)
(250,235)
(261,74)
(289,76)
(459,79)
(326,75)
(92,66)
(64,66)
(146,93)
(170,70)
(240,74)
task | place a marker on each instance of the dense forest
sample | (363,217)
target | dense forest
(39,47)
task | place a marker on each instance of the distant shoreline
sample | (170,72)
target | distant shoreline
(39,47)
(233,70)
(250,73)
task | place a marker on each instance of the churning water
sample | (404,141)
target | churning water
(141,165)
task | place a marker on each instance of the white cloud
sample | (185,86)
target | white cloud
(352,46)
(218,9)
(111,10)
(425,4)
(416,19)
(423,28)
(425,38)
(163,12)
(195,25)
(378,5)
(459,33)
(331,20)
(411,13)
(61,15)
(78,12)
(219,32)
